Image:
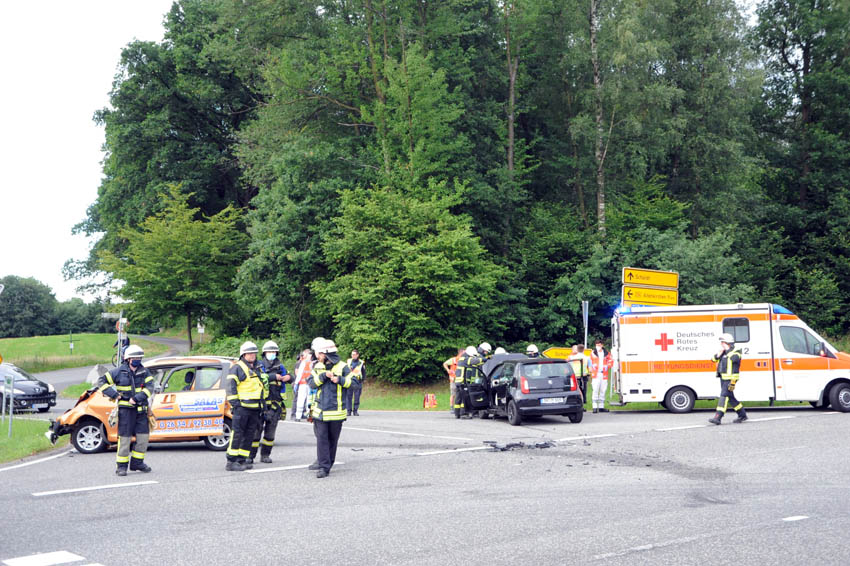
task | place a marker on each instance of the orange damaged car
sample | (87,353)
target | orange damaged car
(189,404)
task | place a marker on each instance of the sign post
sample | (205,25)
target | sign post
(584,315)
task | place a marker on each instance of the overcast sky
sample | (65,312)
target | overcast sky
(58,61)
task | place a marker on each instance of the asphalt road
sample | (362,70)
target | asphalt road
(423,488)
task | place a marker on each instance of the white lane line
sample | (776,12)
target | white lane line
(570,438)
(93,488)
(36,461)
(453,450)
(284,468)
(772,418)
(680,427)
(403,433)
(650,546)
(795,518)
(45,559)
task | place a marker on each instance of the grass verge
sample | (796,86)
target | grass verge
(385,397)
(27,438)
(46,353)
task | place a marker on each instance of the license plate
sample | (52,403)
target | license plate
(39,405)
(552,401)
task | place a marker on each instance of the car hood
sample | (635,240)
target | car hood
(32,387)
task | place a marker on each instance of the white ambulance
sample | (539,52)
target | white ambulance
(663,355)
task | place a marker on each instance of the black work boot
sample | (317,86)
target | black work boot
(121,470)
(742,416)
(140,467)
(716,418)
(314,466)
(265,459)
(248,464)
(234,467)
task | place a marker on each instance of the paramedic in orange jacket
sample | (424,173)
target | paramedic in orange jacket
(601,363)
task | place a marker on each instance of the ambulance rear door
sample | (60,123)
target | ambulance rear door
(751,331)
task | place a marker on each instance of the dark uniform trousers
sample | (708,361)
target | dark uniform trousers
(727,397)
(327,437)
(266,429)
(245,422)
(132,422)
(352,396)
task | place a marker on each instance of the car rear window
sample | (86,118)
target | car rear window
(546,369)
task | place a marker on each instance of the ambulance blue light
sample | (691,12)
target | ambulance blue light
(780,310)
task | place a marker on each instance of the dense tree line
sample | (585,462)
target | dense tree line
(29,308)
(416,175)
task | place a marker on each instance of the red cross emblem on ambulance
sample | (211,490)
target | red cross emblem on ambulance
(664,342)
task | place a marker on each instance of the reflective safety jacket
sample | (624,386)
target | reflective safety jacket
(579,363)
(276,389)
(604,365)
(329,402)
(728,364)
(119,383)
(358,369)
(244,384)
(469,369)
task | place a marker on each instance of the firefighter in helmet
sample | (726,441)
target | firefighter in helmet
(245,395)
(277,377)
(728,370)
(468,370)
(329,377)
(131,384)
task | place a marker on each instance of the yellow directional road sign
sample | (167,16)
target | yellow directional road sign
(651,277)
(562,353)
(635,294)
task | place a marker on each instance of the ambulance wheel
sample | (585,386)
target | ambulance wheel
(839,397)
(680,400)
(513,414)
(219,442)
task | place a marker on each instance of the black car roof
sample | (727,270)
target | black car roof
(498,359)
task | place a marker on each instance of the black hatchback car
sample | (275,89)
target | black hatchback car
(29,393)
(516,386)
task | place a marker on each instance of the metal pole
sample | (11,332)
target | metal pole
(584,314)
(3,408)
(11,405)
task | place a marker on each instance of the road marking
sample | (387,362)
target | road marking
(45,559)
(453,450)
(772,418)
(94,488)
(681,427)
(795,518)
(570,438)
(650,546)
(405,433)
(284,468)
(36,461)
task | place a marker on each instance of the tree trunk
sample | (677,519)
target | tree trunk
(597,88)
(189,328)
(513,65)
(378,81)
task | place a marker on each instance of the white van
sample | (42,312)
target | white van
(663,355)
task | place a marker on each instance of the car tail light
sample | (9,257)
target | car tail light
(523,384)
(573,383)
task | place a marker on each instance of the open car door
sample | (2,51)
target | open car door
(190,401)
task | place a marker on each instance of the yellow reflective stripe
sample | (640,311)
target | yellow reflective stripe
(248,405)
(123,388)
(138,455)
(109,379)
(122,459)
(255,444)
(147,392)
(331,415)
(244,453)
(265,442)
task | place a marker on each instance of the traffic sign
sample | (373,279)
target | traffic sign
(1,288)
(651,277)
(110,315)
(562,353)
(635,294)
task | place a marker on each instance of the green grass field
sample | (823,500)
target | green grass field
(45,353)
(27,438)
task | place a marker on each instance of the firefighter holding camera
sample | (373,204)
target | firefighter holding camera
(274,382)
(131,384)
(728,362)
